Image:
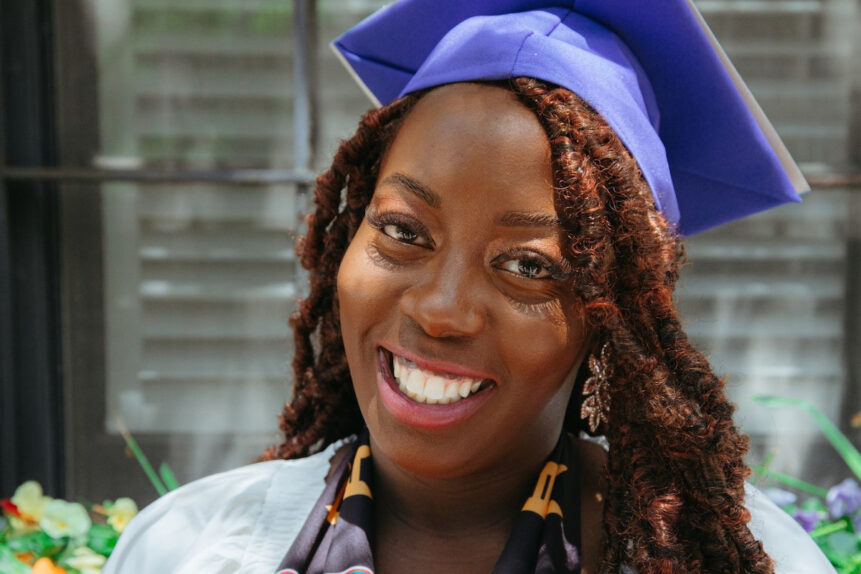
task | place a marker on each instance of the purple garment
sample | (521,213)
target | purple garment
(648,68)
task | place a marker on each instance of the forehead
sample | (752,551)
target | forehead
(475,137)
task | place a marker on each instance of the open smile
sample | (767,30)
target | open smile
(427,397)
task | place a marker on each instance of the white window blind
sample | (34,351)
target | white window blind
(200,277)
(765,297)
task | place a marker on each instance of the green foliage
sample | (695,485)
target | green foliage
(162,488)
(830,522)
(168,477)
(9,564)
(102,539)
(838,440)
(38,543)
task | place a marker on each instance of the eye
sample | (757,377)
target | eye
(400,228)
(399,233)
(528,265)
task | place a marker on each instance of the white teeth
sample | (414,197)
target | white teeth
(434,388)
(465,389)
(416,382)
(451,392)
(431,388)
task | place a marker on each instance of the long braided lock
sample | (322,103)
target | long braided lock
(675,471)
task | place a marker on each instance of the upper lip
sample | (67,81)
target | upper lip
(438,365)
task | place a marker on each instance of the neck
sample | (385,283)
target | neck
(452,507)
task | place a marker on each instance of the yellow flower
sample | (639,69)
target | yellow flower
(30,501)
(121,512)
(45,566)
(62,518)
(86,561)
(21,526)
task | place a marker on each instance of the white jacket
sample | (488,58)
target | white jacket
(243,521)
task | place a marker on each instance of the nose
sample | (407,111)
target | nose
(446,301)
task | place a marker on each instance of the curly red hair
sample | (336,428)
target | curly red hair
(675,465)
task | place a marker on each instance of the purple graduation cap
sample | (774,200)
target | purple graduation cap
(652,69)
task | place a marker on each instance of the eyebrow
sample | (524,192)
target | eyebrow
(510,219)
(415,187)
(529,219)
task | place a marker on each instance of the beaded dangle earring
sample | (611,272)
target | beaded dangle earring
(596,390)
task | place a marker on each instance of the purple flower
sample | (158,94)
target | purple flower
(779,496)
(808,519)
(844,498)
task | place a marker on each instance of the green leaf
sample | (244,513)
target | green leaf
(168,477)
(843,544)
(787,480)
(825,529)
(11,565)
(143,461)
(814,504)
(102,539)
(38,543)
(837,439)
(759,475)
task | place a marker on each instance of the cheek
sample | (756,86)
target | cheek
(353,288)
(364,292)
(544,352)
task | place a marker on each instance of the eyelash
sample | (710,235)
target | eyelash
(518,253)
(381,221)
(539,308)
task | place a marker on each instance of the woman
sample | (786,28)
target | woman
(492,263)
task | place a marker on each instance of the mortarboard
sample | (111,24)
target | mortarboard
(651,68)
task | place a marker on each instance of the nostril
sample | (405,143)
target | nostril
(443,315)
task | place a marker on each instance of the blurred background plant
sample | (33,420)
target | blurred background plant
(831,516)
(44,535)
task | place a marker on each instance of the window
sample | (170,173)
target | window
(161,161)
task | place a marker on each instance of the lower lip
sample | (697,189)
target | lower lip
(423,415)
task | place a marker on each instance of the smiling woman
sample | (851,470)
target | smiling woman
(484,251)
(461,285)
(450,274)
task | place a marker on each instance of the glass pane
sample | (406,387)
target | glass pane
(199,286)
(766,297)
(342,102)
(796,57)
(196,282)
(189,297)
(198,84)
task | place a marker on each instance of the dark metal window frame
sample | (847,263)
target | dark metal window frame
(31,425)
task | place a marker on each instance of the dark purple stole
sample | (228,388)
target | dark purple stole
(337,537)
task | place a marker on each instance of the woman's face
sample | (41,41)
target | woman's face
(455,284)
